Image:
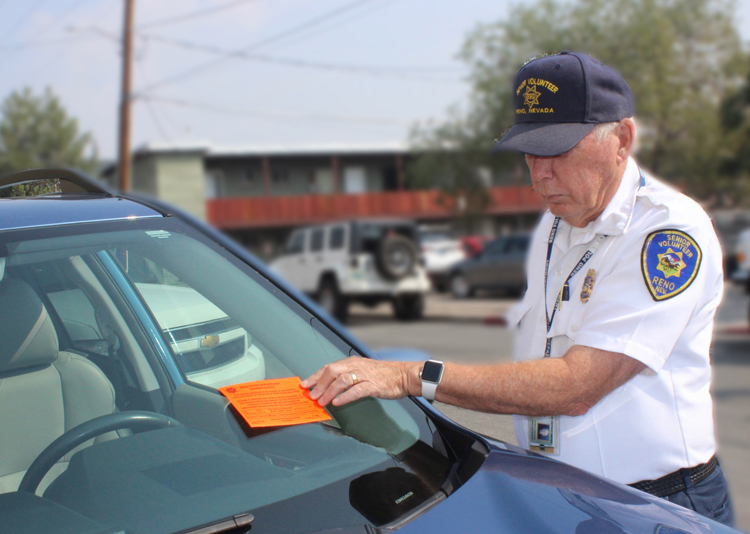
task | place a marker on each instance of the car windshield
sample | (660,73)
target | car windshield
(130,327)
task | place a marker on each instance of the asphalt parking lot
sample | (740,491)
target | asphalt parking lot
(472,331)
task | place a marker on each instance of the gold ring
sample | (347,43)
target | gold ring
(354,377)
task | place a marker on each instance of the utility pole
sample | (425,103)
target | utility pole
(127,62)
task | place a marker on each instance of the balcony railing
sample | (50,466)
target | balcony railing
(256,212)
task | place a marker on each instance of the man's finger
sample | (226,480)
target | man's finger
(340,383)
(358,391)
(313,379)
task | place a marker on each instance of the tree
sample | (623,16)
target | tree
(36,131)
(680,57)
(735,154)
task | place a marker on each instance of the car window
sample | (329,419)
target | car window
(336,239)
(159,315)
(496,248)
(316,240)
(296,243)
(70,304)
(209,347)
(518,244)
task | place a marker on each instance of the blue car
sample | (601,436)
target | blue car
(121,319)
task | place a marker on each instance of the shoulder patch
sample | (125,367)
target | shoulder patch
(669,261)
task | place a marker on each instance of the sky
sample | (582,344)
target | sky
(236,73)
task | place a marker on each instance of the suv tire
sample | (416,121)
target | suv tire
(409,307)
(460,287)
(332,301)
(396,256)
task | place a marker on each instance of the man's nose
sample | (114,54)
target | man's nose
(539,167)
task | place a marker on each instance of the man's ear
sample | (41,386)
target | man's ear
(625,133)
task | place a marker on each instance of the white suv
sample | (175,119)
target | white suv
(365,261)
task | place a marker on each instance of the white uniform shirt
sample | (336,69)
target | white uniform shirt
(661,420)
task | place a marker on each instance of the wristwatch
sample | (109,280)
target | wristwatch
(431,374)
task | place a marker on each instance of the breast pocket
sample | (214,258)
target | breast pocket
(567,321)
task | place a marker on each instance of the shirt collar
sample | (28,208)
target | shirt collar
(619,212)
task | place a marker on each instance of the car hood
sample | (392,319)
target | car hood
(177,306)
(520,492)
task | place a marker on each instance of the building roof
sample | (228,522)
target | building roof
(312,149)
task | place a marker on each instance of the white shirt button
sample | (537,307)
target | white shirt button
(574,328)
(558,272)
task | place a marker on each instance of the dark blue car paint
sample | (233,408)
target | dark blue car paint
(516,491)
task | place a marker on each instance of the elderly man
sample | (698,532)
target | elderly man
(612,369)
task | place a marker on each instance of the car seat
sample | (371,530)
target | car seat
(44,392)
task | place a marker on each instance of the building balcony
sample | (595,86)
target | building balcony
(266,212)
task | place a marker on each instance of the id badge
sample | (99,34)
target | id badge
(544,435)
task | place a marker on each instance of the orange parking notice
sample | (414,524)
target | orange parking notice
(278,402)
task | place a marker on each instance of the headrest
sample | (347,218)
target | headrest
(27,336)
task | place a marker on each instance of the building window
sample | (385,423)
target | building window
(280,177)
(248,178)
(214,184)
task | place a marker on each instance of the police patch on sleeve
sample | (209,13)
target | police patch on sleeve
(670,261)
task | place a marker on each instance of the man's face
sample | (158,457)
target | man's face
(578,184)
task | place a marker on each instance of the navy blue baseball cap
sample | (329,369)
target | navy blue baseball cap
(559,99)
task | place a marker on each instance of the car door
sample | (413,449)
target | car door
(292,263)
(512,264)
(335,254)
(485,272)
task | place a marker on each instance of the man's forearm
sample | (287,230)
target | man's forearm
(570,385)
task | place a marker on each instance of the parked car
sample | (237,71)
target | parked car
(473,244)
(440,251)
(106,429)
(500,266)
(741,263)
(365,261)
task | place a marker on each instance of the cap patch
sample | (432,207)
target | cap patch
(531,95)
(670,261)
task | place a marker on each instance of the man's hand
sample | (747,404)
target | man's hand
(354,378)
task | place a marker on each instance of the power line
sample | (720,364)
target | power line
(400,71)
(59,18)
(41,43)
(296,29)
(19,23)
(333,24)
(152,112)
(276,114)
(48,42)
(403,71)
(195,14)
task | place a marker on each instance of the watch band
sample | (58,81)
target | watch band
(428,390)
(431,375)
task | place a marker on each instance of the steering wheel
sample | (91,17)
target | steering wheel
(135,421)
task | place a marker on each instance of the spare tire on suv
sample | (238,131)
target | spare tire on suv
(396,256)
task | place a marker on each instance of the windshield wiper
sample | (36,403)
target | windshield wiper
(240,523)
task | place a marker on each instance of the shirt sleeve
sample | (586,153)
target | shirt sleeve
(625,315)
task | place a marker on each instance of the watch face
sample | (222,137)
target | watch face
(432,371)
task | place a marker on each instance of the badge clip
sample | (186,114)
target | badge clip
(544,435)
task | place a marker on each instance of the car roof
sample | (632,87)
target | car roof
(32,212)
(81,200)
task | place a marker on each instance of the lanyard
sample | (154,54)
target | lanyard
(563,293)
